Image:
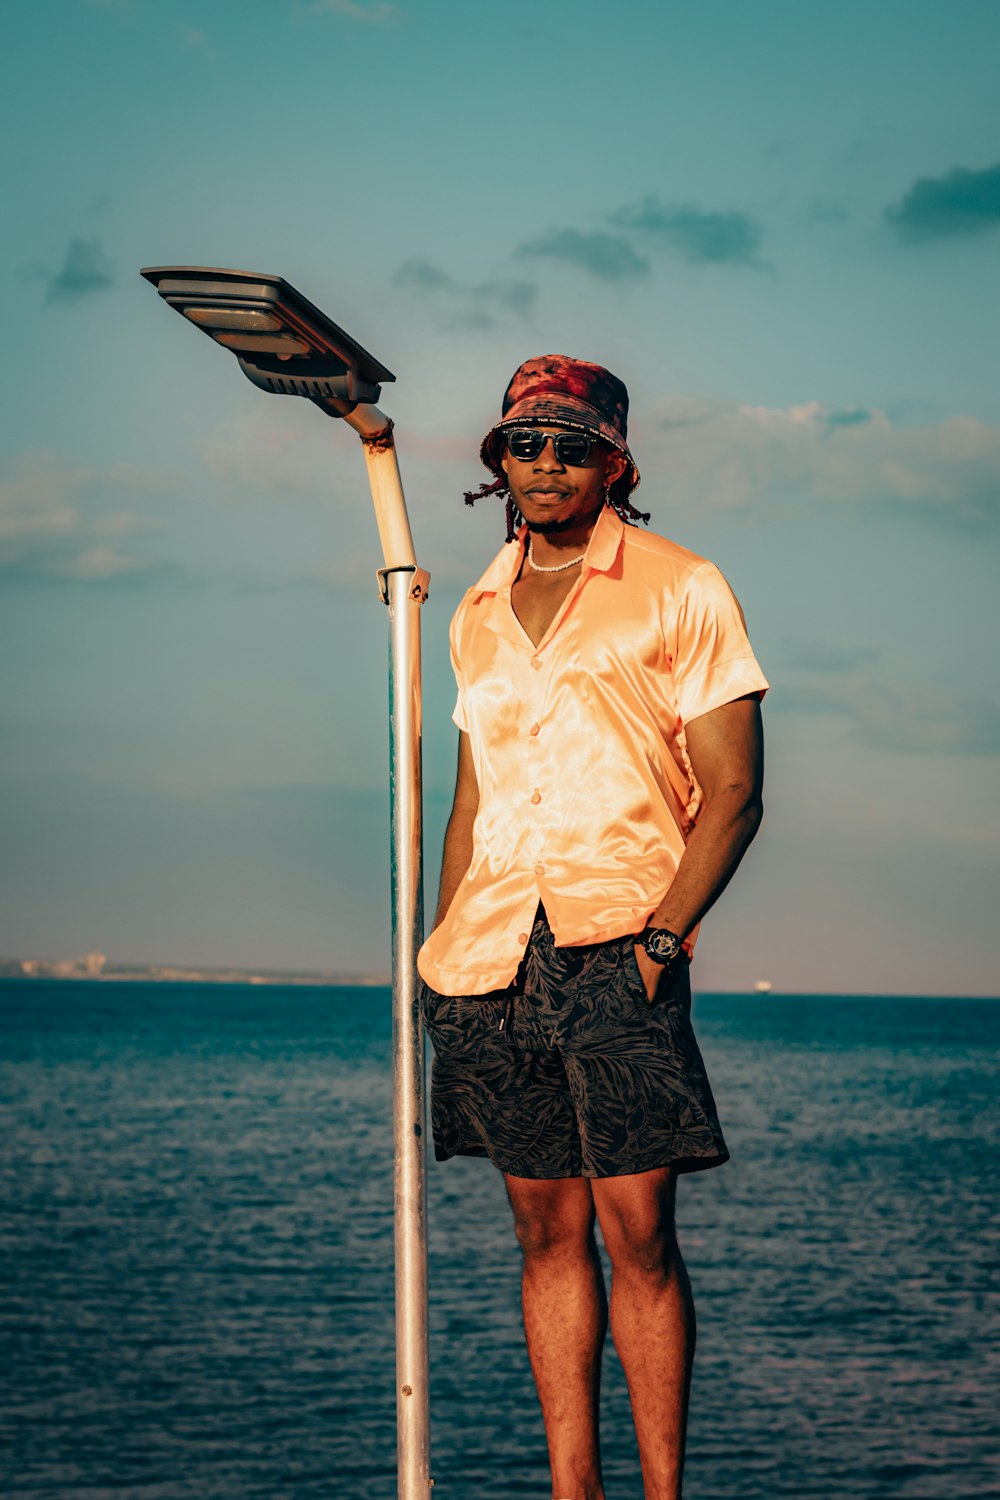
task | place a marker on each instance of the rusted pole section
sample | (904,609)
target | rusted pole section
(404,588)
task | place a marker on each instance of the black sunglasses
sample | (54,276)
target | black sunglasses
(526,443)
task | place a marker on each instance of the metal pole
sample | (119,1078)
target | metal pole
(404,589)
(412,1409)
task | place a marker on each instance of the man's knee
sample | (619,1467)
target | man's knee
(551,1217)
(645,1249)
(637,1225)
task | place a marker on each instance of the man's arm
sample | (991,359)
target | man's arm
(726,748)
(458,837)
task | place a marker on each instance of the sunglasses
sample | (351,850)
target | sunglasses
(526,443)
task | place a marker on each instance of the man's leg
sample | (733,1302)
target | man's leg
(565,1321)
(652,1317)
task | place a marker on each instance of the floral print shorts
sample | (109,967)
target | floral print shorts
(571,1072)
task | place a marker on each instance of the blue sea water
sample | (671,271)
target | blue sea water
(196,1264)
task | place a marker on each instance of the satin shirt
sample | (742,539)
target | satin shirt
(586,792)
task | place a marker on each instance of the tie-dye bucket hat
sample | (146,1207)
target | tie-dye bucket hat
(555,390)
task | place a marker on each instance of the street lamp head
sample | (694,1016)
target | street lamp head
(283,343)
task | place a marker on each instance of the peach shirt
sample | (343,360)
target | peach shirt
(586,792)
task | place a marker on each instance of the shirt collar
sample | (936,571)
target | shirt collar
(602,550)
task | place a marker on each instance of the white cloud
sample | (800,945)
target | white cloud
(264,449)
(98,563)
(704,452)
(36,501)
(889,713)
(729,455)
(120,523)
(378,11)
(49,511)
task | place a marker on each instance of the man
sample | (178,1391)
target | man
(609,782)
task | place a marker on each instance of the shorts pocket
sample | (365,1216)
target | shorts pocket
(674,988)
(633,974)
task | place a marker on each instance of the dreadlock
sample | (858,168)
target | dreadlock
(620,503)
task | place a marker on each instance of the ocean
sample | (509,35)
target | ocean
(196,1257)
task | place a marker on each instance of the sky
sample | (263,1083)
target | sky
(778,223)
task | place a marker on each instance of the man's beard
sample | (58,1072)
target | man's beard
(568,523)
(551,528)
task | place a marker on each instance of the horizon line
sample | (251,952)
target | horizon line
(97,969)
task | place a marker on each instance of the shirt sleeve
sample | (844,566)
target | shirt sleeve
(459,715)
(713,661)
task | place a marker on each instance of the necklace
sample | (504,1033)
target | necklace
(559,567)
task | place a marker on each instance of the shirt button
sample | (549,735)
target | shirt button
(522,938)
(534,728)
(539,869)
(536,796)
(536,663)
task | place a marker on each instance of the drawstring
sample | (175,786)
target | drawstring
(507,1019)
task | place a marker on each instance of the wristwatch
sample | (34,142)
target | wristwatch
(662,945)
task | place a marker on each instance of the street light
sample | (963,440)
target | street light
(286,346)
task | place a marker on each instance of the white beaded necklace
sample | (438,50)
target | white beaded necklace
(559,567)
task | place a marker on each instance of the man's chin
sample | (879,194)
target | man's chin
(550,525)
(551,528)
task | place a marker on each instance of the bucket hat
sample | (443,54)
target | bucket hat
(556,390)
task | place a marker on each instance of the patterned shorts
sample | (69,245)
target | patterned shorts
(571,1072)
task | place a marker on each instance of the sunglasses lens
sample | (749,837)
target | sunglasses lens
(572,447)
(525,443)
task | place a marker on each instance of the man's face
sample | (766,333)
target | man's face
(553,496)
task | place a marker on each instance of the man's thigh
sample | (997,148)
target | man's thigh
(495,1094)
(642,1096)
(550,1214)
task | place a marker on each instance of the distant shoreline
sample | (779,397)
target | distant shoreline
(95,966)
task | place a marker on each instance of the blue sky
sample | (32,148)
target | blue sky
(780,224)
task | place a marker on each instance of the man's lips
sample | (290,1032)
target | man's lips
(546,492)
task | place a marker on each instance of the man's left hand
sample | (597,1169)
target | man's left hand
(650,970)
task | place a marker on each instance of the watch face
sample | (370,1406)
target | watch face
(662,946)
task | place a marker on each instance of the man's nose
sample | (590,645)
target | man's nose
(547,460)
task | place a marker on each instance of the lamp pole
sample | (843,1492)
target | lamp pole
(286,346)
(404,589)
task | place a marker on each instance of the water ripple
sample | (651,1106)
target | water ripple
(196,1289)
